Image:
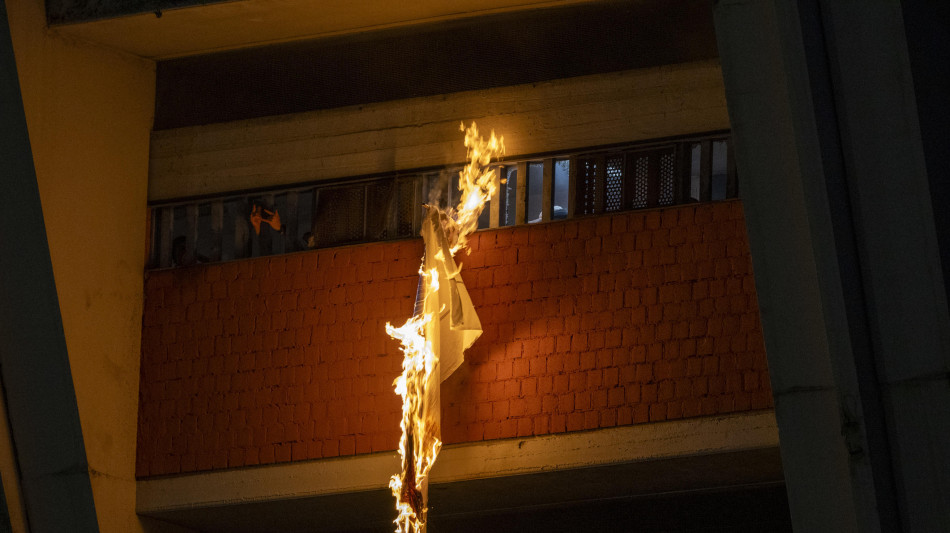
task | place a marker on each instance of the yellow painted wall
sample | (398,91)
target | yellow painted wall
(89,112)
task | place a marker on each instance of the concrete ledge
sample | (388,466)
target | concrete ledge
(462,463)
(188,27)
(423,132)
(645,442)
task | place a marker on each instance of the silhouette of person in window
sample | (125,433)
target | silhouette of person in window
(182,256)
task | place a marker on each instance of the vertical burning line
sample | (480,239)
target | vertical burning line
(443,325)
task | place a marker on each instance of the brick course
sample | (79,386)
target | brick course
(592,322)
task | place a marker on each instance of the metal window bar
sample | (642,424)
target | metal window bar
(534,195)
(719,176)
(508,196)
(705,171)
(547,190)
(572,188)
(521,193)
(561,189)
(217,226)
(732,183)
(278,242)
(494,207)
(167,228)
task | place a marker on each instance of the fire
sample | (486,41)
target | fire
(476,181)
(417,367)
(422,342)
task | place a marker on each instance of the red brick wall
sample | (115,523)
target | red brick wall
(589,323)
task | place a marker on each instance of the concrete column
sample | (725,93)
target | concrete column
(38,386)
(845,248)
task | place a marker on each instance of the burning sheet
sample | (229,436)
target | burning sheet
(444,326)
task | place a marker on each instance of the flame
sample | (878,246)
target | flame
(420,442)
(476,182)
(417,457)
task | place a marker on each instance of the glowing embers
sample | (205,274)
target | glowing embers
(444,326)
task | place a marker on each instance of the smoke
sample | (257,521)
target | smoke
(440,187)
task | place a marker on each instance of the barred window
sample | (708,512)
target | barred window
(541,189)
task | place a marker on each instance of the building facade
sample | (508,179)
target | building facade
(197,374)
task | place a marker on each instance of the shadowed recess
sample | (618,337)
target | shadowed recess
(426,60)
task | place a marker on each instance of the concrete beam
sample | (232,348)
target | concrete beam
(474,54)
(896,252)
(731,450)
(815,451)
(845,249)
(37,383)
(160,29)
(356,140)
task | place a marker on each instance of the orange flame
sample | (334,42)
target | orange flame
(477,182)
(417,367)
(417,385)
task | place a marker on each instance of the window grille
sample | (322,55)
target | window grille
(534,193)
(578,183)
(614,186)
(339,216)
(666,179)
(406,211)
(588,184)
(641,180)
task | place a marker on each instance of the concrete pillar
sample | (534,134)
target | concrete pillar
(38,386)
(847,258)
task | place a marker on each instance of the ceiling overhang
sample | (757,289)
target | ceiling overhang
(202,27)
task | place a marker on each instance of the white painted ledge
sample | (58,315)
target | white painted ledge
(463,462)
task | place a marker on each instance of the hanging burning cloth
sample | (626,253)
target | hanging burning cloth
(443,325)
(454,326)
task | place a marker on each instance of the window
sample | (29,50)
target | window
(290,219)
(535,191)
(562,173)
